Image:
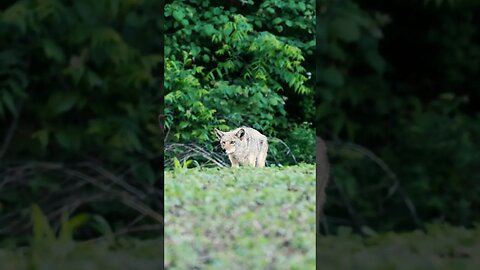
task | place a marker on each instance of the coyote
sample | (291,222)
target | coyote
(244,146)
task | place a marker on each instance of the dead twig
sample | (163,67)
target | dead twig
(191,150)
(117,180)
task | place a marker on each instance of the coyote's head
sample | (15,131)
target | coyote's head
(230,140)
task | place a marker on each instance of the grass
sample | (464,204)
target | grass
(246,218)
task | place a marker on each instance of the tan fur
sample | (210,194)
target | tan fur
(244,146)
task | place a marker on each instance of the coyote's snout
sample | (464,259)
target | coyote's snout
(244,146)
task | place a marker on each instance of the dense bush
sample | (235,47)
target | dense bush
(398,101)
(229,65)
(80,77)
(78,91)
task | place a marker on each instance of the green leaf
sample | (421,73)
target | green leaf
(53,51)
(102,225)
(68,226)
(68,138)
(42,231)
(375,61)
(178,14)
(209,29)
(61,101)
(183,125)
(17,14)
(333,77)
(301,6)
(176,163)
(42,135)
(346,29)
(9,103)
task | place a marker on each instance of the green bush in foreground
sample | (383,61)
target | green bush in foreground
(240,219)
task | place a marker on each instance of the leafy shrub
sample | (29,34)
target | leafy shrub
(78,88)
(54,61)
(229,66)
(403,138)
(302,142)
(436,154)
(444,143)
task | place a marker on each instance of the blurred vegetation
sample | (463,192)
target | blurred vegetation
(439,247)
(79,99)
(51,250)
(399,101)
(396,96)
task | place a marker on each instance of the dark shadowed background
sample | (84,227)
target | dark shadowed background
(398,102)
(79,136)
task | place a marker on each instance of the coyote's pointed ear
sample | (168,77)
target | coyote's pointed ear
(240,133)
(219,133)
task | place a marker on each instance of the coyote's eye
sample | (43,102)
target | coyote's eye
(232,142)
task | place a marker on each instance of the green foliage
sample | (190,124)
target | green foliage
(298,147)
(228,66)
(449,153)
(302,140)
(239,219)
(400,78)
(348,39)
(443,167)
(51,250)
(63,65)
(78,85)
(187,98)
(45,243)
(180,166)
